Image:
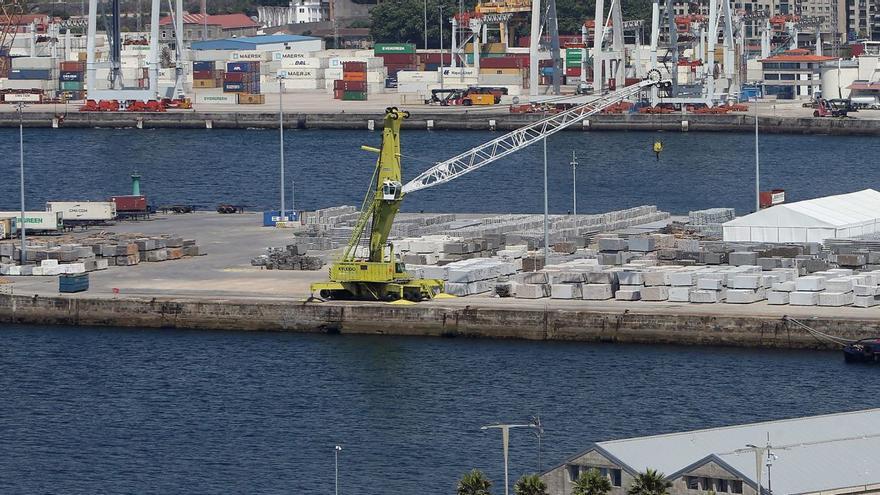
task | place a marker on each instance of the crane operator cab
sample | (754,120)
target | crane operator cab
(391,190)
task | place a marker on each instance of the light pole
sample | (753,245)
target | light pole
(760,462)
(574,193)
(441,45)
(757,163)
(20,108)
(546,210)
(280,78)
(426,24)
(336,465)
(505,440)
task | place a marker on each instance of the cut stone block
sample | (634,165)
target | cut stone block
(597,292)
(609,259)
(799,298)
(532,291)
(156,255)
(739,258)
(746,282)
(655,293)
(568,277)
(811,283)
(705,296)
(602,277)
(865,301)
(612,244)
(679,294)
(630,278)
(101,264)
(778,297)
(681,279)
(839,285)
(744,296)
(628,295)
(655,278)
(768,264)
(835,299)
(784,287)
(865,290)
(642,244)
(566,291)
(534,278)
(714,284)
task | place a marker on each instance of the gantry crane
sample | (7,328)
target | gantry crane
(10,15)
(374,273)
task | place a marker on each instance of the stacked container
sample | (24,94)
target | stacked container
(71,80)
(353,85)
(205,76)
(397,56)
(242,78)
(32,73)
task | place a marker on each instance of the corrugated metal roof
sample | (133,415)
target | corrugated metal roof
(226,21)
(822,452)
(837,211)
(250,42)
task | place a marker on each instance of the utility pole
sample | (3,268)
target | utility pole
(426,24)
(546,210)
(505,441)
(441,46)
(757,163)
(281,136)
(574,195)
(21,224)
(336,465)
(761,461)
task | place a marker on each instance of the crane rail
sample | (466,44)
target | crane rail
(513,141)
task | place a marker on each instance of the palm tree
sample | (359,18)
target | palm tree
(649,483)
(530,484)
(591,482)
(473,483)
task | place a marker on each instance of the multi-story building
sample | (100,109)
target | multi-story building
(830,454)
(793,75)
(198,27)
(297,12)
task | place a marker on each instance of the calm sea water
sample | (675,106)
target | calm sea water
(88,410)
(618,169)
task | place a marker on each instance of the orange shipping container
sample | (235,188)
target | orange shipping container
(205,83)
(354,76)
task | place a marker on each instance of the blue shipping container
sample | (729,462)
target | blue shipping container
(71,76)
(233,87)
(44,74)
(73,283)
(270,217)
(200,66)
(243,67)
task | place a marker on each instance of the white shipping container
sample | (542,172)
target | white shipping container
(372,62)
(35,220)
(302,73)
(377,76)
(411,76)
(289,55)
(333,74)
(23,97)
(458,72)
(216,98)
(93,211)
(29,84)
(294,84)
(249,56)
(310,62)
(34,63)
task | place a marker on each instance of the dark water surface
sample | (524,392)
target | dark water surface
(618,170)
(163,411)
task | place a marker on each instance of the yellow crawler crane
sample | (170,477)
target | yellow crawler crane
(379,276)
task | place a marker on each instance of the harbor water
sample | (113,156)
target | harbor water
(88,410)
(617,169)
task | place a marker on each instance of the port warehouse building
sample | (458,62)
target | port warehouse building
(812,220)
(831,454)
(265,43)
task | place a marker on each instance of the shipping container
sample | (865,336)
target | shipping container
(506,62)
(203,66)
(338,94)
(270,218)
(22,97)
(72,66)
(354,66)
(243,67)
(389,48)
(6,230)
(73,282)
(251,99)
(41,221)
(130,203)
(222,99)
(355,96)
(39,74)
(203,74)
(71,86)
(233,87)
(400,59)
(354,76)
(234,77)
(205,83)
(70,76)
(350,85)
(92,211)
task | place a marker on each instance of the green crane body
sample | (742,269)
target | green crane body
(379,276)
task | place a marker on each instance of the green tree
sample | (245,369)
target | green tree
(473,483)
(530,484)
(402,21)
(649,483)
(592,482)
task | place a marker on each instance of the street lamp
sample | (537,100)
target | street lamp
(574,206)
(757,163)
(759,465)
(505,440)
(440,7)
(336,464)
(20,108)
(281,76)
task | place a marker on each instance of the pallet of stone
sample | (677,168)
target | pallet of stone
(746,281)
(787,286)
(631,278)
(643,244)
(710,281)
(532,263)
(128,260)
(840,284)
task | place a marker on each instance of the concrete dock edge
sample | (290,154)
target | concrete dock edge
(431,319)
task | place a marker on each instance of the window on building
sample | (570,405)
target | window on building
(771,77)
(787,77)
(736,486)
(693,483)
(706,484)
(771,65)
(616,477)
(722,486)
(574,472)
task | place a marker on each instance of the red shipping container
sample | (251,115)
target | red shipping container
(234,77)
(354,66)
(73,66)
(434,58)
(503,63)
(338,94)
(573,71)
(203,74)
(349,85)
(401,58)
(130,203)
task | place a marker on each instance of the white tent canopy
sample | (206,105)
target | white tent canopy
(813,220)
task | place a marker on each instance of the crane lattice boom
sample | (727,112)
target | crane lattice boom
(516,140)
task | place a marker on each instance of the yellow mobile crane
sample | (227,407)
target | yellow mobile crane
(379,276)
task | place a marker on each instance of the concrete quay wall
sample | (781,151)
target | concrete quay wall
(474,120)
(431,319)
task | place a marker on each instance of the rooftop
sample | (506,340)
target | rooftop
(814,453)
(249,42)
(226,21)
(797,55)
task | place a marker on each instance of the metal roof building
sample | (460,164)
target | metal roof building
(275,42)
(813,220)
(836,453)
